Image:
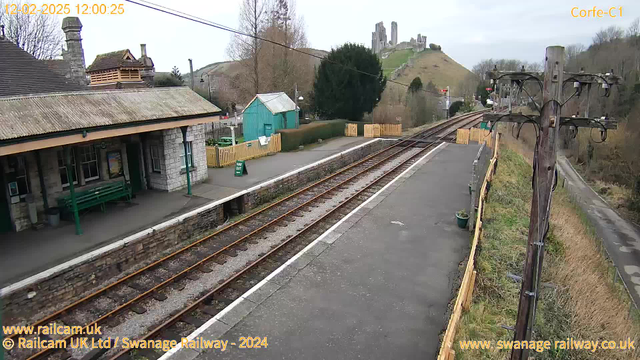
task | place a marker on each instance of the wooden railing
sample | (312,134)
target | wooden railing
(463,300)
(463,136)
(223,156)
(377,130)
(351,130)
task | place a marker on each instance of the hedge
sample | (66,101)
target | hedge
(310,133)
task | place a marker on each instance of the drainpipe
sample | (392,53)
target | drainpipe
(72,192)
(186,157)
(43,187)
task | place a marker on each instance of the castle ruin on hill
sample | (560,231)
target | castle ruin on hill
(379,40)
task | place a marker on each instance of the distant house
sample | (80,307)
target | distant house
(267,113)
(121,70)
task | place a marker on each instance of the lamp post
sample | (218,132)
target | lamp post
(297,97)
(208,84)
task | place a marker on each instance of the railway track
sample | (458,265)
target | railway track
(109,306)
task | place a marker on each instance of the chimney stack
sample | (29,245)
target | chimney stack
(148,72)
(74,55)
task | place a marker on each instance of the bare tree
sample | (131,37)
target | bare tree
(481,68)
(634,29)
(283,67)
(38,34)
(246,49)
(610,34)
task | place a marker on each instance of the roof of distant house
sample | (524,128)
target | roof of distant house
(32,115)
(22,74)
(114,60)
(276,102)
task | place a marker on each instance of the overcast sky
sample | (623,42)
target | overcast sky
(467,30)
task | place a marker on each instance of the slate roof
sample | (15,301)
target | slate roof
(276,102)
(24,116)
(113,60)
(21,74)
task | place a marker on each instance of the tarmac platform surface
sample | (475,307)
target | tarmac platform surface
(29,252)
(374,286)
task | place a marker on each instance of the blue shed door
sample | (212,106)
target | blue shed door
(268,130)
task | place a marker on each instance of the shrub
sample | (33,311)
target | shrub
(433,46)
(310,133)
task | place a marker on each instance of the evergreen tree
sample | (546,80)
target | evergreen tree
(342,92)
(175,73)
(416,85)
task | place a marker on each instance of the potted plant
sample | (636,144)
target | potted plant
(463,218)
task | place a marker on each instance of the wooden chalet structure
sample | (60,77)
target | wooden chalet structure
(121,70)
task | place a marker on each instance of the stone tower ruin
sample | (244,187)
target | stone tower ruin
(394,33)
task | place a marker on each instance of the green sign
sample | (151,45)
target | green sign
(241,168)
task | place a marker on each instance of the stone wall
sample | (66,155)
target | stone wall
(64,286)
(51,174)
(174,147)
(298,180)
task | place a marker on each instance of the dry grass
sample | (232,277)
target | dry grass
(600,308)
(584,302)
(437,67)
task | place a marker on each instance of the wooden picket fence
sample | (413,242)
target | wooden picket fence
(351,130)
(462,136)
(463,300)
(377,130)
(223,156)
(390,129)
(372,130)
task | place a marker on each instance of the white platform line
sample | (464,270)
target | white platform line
(244,296)
(124,242)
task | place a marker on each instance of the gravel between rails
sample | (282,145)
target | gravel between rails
(135,325)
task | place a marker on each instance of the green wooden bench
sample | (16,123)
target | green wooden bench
(96,196)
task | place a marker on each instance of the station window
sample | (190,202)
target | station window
(156,158)
(64,178)
(189,156)
(89,162)
(19,178)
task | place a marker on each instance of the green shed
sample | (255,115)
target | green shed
(267,113)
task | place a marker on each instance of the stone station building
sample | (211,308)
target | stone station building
(136,136)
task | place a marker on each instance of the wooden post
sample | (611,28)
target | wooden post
(467,301)
(543,180)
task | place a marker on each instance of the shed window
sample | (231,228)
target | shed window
(64,178)
(189,156)
(156,158)
(89,163)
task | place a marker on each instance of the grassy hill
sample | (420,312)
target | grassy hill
(395,60)
(430,65)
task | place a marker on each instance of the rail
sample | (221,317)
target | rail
(245,225)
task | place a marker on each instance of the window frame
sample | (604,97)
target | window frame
(92,151)
(60,158)
(156,161)
(189,154)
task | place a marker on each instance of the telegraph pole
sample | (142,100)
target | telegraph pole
(191,73)
(547,125)
(543,182)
